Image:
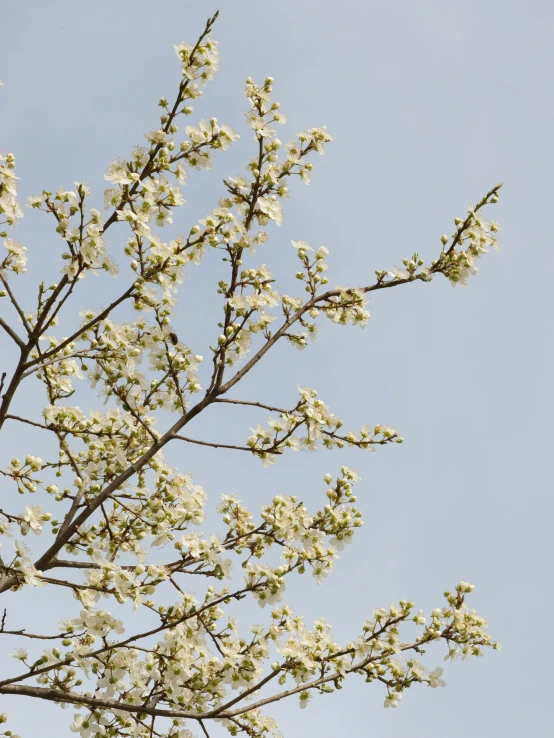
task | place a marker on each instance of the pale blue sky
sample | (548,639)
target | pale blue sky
(431,103)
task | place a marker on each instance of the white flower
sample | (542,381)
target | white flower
(118,173)
(305,697)
(272,208)
(34,517)
(435,678)
(20,653)
(392,699)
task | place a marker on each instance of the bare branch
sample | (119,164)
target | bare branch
(226,445)
(12,333)
(253,404)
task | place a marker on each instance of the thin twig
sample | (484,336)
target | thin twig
(12,333)
(226,445)
(254,404)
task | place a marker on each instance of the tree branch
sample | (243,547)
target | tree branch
(12,333)
(226,445)
(253,404)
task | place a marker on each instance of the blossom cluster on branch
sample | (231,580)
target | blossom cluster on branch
(122,527)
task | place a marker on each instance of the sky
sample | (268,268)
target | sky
(430,104)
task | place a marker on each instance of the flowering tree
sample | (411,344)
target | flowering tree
(122,526)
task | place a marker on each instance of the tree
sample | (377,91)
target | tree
(126,516)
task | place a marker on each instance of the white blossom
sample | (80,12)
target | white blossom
(130,534)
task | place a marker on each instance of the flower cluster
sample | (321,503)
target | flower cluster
(201,656)
(321,426)
(201,667)
(474,237)
(260,197)
(127,522)
(10,214)
(86,249)
(142,191)
(247,314)
(22,473)
(16,259)
(10,209)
